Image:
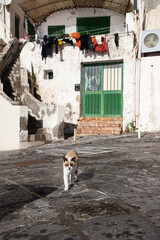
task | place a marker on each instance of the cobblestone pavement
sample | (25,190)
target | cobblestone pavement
(117,195)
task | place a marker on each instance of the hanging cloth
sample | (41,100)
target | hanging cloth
(100,47)
(47,46)
(84,42)
(68,41)
(90,43)
(76,35)
(116,40)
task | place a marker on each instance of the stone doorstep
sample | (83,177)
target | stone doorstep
(101,118)
(100,124)
(95,132)
(99,128)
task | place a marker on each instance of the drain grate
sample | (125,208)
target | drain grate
(31,162)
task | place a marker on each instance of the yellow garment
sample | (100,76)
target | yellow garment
(70,35)
(60,42)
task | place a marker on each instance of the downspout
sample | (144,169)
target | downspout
(139,68)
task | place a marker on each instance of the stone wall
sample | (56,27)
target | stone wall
(7,54)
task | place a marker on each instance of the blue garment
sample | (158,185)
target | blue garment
(47,46)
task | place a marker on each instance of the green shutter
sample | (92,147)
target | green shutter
(55,31)
(93,25)
(104,25)
(82,26)
(31,30)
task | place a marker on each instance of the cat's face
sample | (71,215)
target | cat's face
(69,164)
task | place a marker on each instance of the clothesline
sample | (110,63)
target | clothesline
(101,29)
(96,29)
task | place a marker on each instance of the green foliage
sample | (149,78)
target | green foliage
(130,128)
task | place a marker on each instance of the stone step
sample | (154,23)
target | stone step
(97,130)
(100,118)
(100,124)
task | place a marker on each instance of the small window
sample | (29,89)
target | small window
(48,74)
(56,31)
(93,25)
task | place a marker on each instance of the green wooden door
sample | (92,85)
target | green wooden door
(103,90)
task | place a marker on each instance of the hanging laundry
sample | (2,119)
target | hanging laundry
(47,46)
(90,43)
(68,41)
(60,42)
(54,40)
(76,35)
(84,42)
(116,40)
(100,47)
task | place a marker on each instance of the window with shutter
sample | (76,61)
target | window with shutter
(55,31)
(93,25)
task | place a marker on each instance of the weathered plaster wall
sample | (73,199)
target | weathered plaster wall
(149,5)
(150,94)
(152,19)
(67,72)
(7,24)
(15,10)
(52,116)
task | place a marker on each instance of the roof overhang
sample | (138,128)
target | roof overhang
(38,10)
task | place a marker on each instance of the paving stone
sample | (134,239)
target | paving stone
(117,195)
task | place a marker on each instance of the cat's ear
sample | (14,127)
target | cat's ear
(73,159)
(65,159)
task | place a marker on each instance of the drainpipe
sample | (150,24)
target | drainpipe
(139,67)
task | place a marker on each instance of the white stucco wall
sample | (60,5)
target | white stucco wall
(68,19)
(9,125)
(150,94)
(67,73)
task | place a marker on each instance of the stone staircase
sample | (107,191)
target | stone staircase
(11,78)
(44,122)
(98,126)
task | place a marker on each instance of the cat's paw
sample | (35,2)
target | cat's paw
(66,189)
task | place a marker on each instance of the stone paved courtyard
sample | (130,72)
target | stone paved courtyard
(117,195)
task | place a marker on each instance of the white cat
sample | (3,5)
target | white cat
(70,168)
